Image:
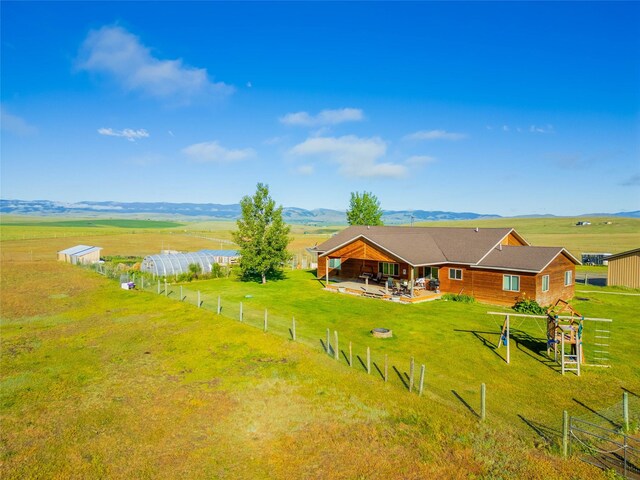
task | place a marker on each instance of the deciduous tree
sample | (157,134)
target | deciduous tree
(262,236)
(364,209)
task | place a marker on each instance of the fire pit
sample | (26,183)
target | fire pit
(382,333)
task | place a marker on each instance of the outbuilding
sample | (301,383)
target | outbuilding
(624,269)
(80,254)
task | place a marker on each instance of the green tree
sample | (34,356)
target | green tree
(262,236)
(364,209)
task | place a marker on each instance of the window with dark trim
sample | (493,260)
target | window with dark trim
(455,273)
(390,269)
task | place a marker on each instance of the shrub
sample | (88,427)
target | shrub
(529,306)
(458,298)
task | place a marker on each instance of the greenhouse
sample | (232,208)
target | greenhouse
(163,265)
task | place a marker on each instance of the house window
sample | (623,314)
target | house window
(545,283)
(390,269)
(430,272)
(511,283)
(568,278)
(455,273)
(335,263)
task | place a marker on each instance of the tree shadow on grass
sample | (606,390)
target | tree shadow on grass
(464,402)
(548,434)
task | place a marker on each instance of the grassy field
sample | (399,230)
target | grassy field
(101,382)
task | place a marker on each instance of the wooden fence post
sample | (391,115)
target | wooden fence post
(411,367)
(350,355)
(166,290)
(181,297)
(368,360)
(421,380)
(293,328)
(328,345)
(219,305)
(265,319)
(240,311)
(565,433)
(142,282)
(158,286)
(199,299)
(386,367)
(336,349)
(483,401)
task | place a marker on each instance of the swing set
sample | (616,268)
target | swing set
(565,332)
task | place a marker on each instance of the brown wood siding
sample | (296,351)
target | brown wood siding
(357,257)
(557,289)
(487,286)
(512,240)
(624,271)
(448,285)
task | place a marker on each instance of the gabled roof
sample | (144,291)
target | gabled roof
(79,250)
(622,254)
(424,245)
(523,259)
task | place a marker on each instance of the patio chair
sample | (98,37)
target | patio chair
(378,277)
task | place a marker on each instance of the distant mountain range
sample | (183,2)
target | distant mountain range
(214,211)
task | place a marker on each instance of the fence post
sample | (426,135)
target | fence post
(411,367)
(421,380)
(386,367)
(240,311)
(350,355)
(166,290)
(158,286)
(142,282)
(265,319)
(293,328)
(328,344)
(368,360)
(565,433)
(198,298)
(218,304)
(181,297)
(483,401)
(625,410)
(336,349)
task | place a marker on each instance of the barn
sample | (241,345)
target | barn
(80,254)
(166,264)
(624,269)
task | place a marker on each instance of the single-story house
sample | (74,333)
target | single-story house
(494,265)
(80,254)
(624,269)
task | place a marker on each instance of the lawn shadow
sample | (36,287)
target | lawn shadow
(324,347)
(595,412)
(485,341)
(344,354)
(535,348)
(630,392)
(375,365)
(364,365)
(464,402)
(401,377)
(547,434)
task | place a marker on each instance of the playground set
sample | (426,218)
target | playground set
(565,336)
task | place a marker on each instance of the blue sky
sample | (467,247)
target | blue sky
(505,108)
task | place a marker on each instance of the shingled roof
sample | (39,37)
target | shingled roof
(420,246)
(423,245)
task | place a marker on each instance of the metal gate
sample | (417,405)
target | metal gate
(606,448)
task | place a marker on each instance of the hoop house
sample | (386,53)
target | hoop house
(176,263)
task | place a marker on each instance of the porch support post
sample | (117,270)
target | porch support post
(326,268)
(412,281)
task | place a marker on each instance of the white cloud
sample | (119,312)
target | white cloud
(356,157)
(14,124)
(305,170)
(213,152)
(117,53)
(128,133)
(325,117)
(435,135)
(538,129)
(505,128)
(420,160)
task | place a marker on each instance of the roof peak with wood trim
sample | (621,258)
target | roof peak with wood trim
(423,246)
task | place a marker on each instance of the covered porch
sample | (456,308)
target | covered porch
(365,288)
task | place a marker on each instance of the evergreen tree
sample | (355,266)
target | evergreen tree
(262,236)
(364,209)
